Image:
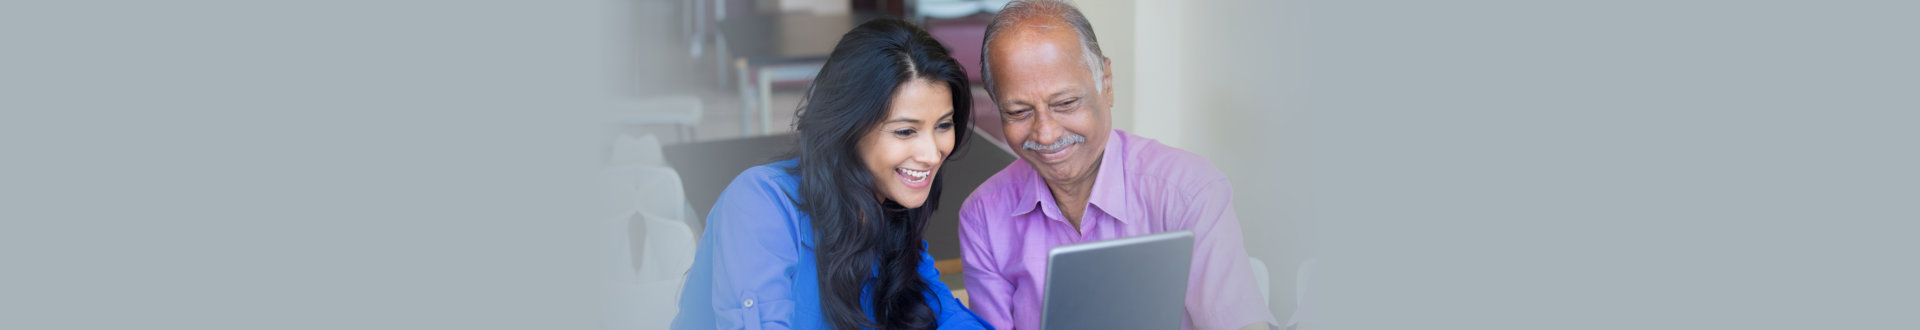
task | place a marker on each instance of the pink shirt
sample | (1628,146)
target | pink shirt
(1143,187)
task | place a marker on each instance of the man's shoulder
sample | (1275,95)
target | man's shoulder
(1150,160)
(1000,190)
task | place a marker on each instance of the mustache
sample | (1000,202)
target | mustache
(1062,143)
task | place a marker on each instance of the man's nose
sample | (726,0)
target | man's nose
(1046,129)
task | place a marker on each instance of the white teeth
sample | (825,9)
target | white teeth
(915,176)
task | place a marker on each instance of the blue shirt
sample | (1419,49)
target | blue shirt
(755,269)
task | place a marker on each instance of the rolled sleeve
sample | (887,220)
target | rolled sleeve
(755,253)
(1222,293)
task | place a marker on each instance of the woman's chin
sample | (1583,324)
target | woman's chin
(911,202)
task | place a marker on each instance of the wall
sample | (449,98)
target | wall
(1242,69)
(1530,165)
(1221,79)
(1113,23)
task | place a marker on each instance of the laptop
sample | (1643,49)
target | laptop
(1136,282)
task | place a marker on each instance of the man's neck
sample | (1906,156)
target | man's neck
(1072,197)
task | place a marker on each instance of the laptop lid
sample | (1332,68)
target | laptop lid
(1136,282)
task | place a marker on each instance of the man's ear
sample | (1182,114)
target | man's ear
(1106,79)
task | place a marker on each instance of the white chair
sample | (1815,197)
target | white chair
(1303,301)
(620,290)
(641,191)
(667,250)
(1265,283)
(681,111)
(654,195)
(625,302)
(629,150)
(660,195)
(947,8)
(646,298)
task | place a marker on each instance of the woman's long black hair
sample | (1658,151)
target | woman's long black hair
(854,232)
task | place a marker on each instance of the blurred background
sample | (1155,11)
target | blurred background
(713,85)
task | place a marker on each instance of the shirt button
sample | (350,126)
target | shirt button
(747,304)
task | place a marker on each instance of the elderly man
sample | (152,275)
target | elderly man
(1084,181)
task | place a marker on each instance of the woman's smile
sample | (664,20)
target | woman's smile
(914,179)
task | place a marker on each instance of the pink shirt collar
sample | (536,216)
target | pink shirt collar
(1109,186)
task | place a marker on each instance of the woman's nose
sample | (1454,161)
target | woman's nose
(926,150)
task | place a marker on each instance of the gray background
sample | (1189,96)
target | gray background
(1613,164)
(304,165)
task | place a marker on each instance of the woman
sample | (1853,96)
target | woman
(832,237)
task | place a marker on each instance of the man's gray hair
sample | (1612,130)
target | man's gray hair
(1035,13)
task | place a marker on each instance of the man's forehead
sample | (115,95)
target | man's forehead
(1035,59)
(1034,54)
(1037,56)
(1020,37)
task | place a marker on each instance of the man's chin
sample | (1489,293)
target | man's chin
(1062,169)
(1043,166)
(1056,172)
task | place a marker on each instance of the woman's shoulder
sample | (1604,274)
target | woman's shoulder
(759,207)
(760,193)
(775,178)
